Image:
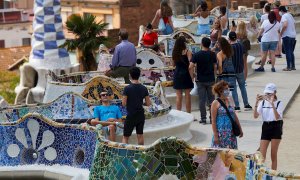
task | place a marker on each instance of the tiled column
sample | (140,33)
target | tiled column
(48,36)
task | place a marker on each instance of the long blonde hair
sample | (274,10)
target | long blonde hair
(253,19)
(241,30)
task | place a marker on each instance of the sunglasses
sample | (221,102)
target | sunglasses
(104,95)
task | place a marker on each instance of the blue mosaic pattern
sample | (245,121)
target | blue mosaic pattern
(54,143)
(48,36)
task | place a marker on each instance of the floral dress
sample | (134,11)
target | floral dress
(224,129)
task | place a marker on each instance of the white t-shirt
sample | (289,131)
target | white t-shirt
(290,31)
(266,111)
(272,34)
(264,17)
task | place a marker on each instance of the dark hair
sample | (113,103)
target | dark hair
(282,8)
(267,8)
(205,42)
(135,73)
(178,48)
(165,9)
(272,17)
(149,26)
(223,10)
(203,5)
(225,47)
(219,87)
(123,34)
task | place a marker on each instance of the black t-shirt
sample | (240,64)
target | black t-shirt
(237,58)
(135,95)
(205,61)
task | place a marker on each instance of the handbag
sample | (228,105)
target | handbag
(235,127)
(194,91)
(161,25)
(259,37)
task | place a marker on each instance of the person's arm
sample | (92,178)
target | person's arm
(276,114)
(147,101)
(198,8)
(257,107)
(103,123)
(171,22)
(284,26)
(115,58)
(214,110)
(220,61)
(239,124)
(219,34)
(156,17)
(223,22)
(192,69)
(189,55)
(260,32)
(124,100)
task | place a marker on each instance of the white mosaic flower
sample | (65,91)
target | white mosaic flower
(31,154)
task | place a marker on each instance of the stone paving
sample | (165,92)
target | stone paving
(287,84)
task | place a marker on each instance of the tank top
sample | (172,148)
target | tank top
(227,66)
(214,35)
(166,20)
(202,20)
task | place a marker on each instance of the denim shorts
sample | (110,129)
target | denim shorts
(269,46)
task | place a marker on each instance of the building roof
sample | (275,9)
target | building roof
(12,56)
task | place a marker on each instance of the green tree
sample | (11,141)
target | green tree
(88,36)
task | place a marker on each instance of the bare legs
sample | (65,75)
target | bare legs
(274,149)
(264,58)
(140,138)
(187,100)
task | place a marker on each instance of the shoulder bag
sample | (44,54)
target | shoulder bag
(259,37)
(235,127)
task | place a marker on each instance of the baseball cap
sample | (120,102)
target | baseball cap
(270,88)
(232,36)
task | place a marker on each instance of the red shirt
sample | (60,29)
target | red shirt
(149,39)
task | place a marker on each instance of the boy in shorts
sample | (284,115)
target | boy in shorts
(133,97)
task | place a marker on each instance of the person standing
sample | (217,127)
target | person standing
(288,34)
(215,34)
(182,80)
(270,36)
(133,97)
(223,136)
(278,18)
(206,63)
(271,110)
(202,14)
(164,16)
(123,59)
(224,21)
(107,115)
(238,61)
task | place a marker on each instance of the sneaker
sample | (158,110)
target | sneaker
(238,109)
(202,121)
(278,56)
(260,69)
(293,68)
(273,70)
(248,107)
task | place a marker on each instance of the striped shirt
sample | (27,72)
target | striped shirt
(237,58)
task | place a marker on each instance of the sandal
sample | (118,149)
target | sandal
(286,69)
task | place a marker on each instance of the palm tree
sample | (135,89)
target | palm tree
(88,37)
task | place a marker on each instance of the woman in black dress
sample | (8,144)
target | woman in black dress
(182,80)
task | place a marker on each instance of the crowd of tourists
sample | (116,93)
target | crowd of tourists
(215,71)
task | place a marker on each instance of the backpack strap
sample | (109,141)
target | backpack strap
(277,104)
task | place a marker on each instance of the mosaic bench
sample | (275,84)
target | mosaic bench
(35,139)
(172,157)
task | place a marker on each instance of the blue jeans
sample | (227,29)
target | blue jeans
(241,81)
(288,45)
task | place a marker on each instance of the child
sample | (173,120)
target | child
(133,97)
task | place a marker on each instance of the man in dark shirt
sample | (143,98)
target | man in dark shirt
(238,63)
(133,97)
(123,59)
(206,69)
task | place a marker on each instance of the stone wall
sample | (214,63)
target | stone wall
(9,56)
(136,13)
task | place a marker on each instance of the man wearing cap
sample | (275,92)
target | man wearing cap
(238,63)
(123,59)
(271,111)
(108,116)
(288,34)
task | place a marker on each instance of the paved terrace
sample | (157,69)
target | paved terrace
(287,85)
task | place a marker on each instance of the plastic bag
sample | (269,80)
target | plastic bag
(194,91)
